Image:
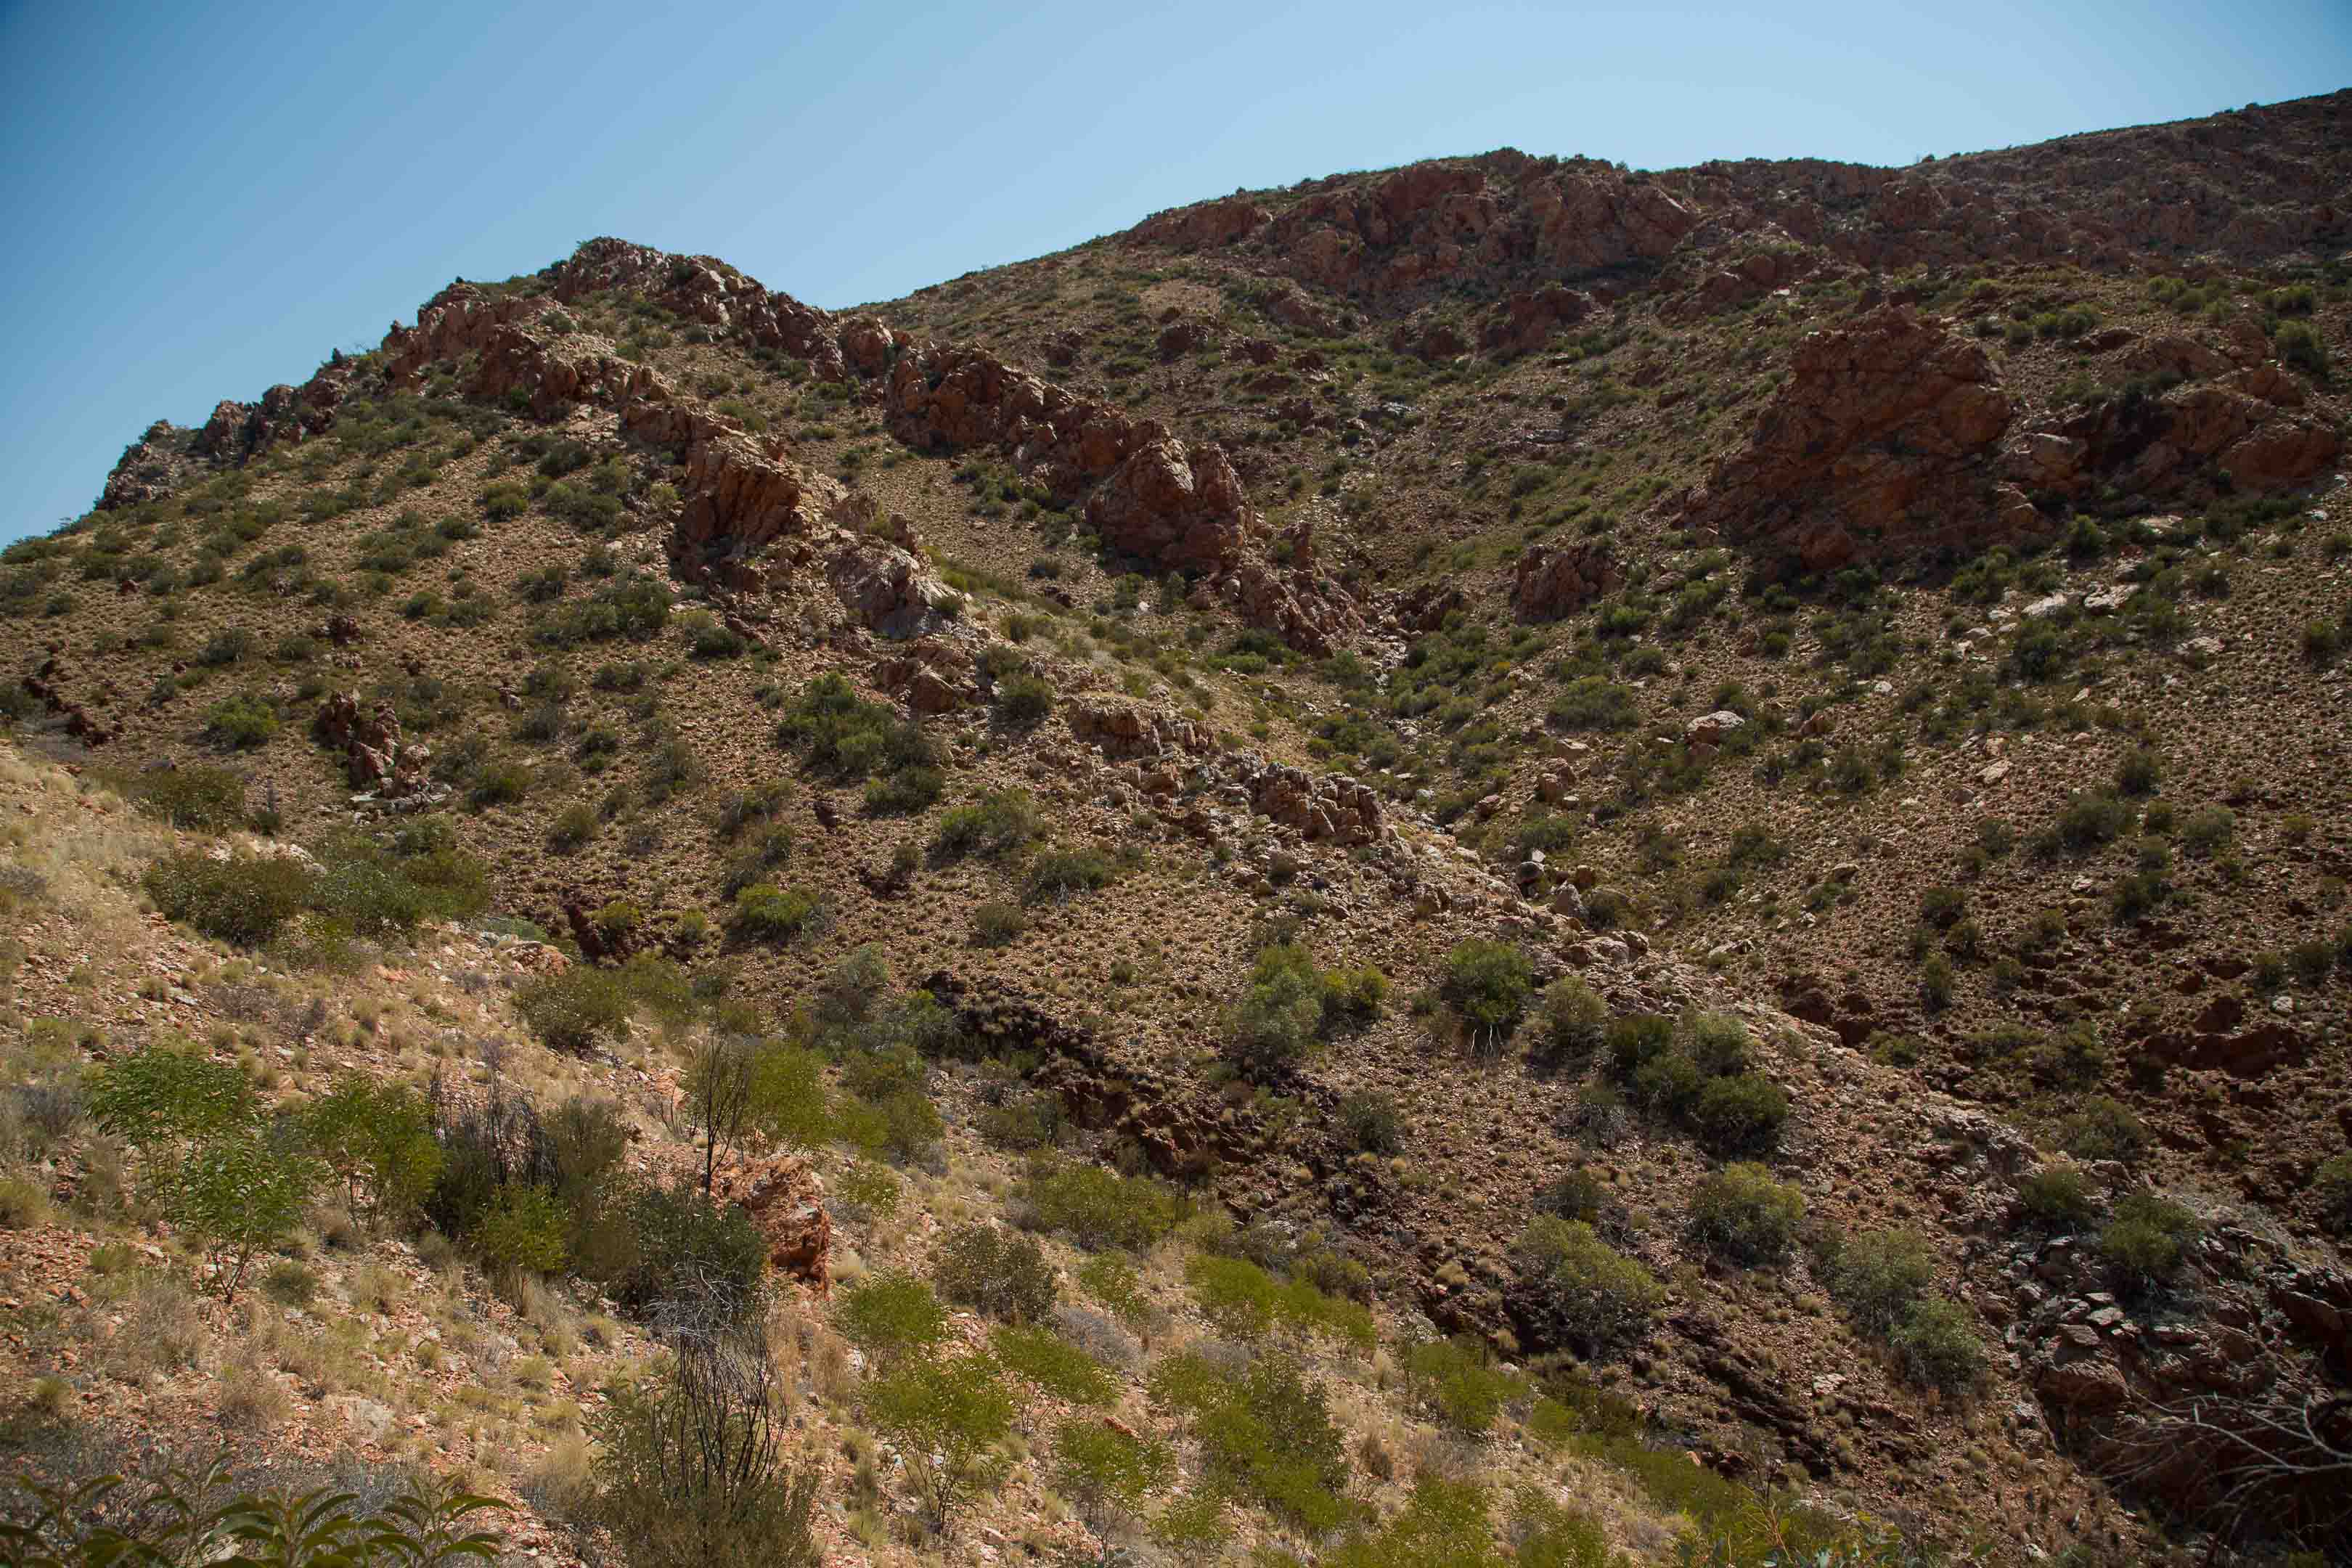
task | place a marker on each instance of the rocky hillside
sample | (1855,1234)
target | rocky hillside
(1688,827)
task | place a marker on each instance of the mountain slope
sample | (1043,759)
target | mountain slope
(1899,610)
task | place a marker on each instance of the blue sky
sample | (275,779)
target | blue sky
(203,199)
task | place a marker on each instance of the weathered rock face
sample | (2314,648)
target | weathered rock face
(152,466)
(1124,729)
(1331,806)
(1878,444)
(2241,421)
(1181,1130)
(1551,581)
(374,752)
(888,589)
(1178,507)
(785,1199)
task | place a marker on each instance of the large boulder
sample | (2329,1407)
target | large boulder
(1178,507)
(887,589)
(1551,581)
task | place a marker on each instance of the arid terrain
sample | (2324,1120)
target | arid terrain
(1501,861)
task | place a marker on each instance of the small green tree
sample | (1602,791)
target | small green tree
(243,1196)
(1487,986)
(892,1316)
(377,1138)
(1107,1472)
(947,1415)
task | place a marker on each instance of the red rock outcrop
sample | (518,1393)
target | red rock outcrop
(785,1199)
(1551,581)
(374,754)
(1879,444)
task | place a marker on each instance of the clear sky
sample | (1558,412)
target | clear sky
(200,200)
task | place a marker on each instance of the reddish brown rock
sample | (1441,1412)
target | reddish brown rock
(887,589)
(785,1199)
(1551,581)
(1878,445)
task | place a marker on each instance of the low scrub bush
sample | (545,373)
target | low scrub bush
(892,1317)
(1741,1213)
(1266,1435)
(1580,1289)
(1099,1208)
(1486,986)
(1058,1367)
(999,1273)
(2142,1243)
(1458,1380)
(996,824)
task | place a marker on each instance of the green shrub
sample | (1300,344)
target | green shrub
(1442,1522)
(1487,984)
(1879,1275)
(1024,698)
(160,1100)
(1936,1343)
(1106,1472)
(1743,1213)
(1096,1207)
(686,1468)
(689,1248)
(1371,1122)
(244,900)
(995,923)
(1057,874)
(2058,1196)
(765,912)
(1271,1028)
(945,1415)
(499,783)
(2300,345)
(377,1138)
(1458,1379)
(1264,1436)
(1580,1288)
(192,796)
(524,1229)
(1742,1113)
(848,737)
(905,793)
(2144,1238)
(2090,820)
(2208,828)
(635,607)
(1595,703)
(1572,1020)
(2140,771)
(1054,1364)
(996,824)
(569,1011)
(2331,1188)
(997,1272)
(243,721)
(241,1194)
(2103,1128)
(891,1316)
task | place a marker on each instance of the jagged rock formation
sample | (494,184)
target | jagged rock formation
(1550,581)
(1878,445)
(374,755)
